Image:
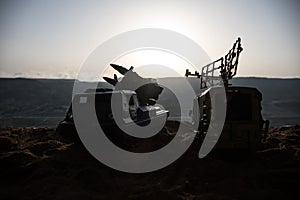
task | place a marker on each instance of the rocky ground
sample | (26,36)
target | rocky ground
(36,163)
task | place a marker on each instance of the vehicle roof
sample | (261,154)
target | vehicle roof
(124,92)
(231,89)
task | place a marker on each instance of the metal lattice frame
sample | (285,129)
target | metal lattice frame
(227,67)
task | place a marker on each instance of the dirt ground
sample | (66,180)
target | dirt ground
(37,163)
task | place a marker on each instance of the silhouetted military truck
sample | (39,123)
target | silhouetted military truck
(136,104)
(243,126)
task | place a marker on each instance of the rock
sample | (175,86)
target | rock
(6,143)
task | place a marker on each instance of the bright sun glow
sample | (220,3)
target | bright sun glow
(153,63)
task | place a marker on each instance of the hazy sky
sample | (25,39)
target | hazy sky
(53,38)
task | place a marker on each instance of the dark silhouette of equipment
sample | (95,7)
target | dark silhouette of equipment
(136,97)
(243,123)
(227,67)
(147,89)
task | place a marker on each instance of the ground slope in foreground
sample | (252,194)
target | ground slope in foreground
(39,164)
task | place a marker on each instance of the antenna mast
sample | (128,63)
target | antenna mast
(227,67)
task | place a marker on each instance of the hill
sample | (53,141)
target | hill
(43,102)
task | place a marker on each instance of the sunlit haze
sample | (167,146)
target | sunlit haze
(51,39)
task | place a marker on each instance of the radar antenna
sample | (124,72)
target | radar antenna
(226,65)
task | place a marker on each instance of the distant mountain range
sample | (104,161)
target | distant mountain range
(43,102)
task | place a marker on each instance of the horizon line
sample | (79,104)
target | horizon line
(68,78)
